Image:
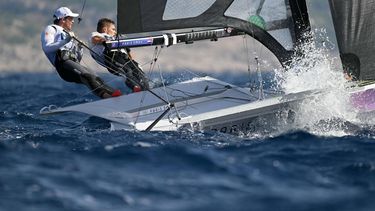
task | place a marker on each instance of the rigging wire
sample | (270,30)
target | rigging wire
(246,49)
(260,79)
(166,95)
(82,10)
(257,56)
(191,94)
(117,70)
(81,43)
(169,105)
(155,58)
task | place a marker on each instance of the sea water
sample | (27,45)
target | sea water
(73,162)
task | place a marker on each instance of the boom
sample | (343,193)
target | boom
(169,39)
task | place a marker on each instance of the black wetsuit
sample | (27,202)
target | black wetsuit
(69,69)
(119,63)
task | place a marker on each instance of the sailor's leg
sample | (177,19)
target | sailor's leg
(120,63)
(114,62)
(74,72)
(135,76)
(97,86)
(139,75)
(68,72)
(130,81)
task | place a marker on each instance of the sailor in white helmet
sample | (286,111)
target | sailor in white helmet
(65,54)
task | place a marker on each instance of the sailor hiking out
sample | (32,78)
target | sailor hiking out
(65,54)
(118,62)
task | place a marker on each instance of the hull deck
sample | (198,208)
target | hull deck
(199,104)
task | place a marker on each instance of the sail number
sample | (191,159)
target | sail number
(236,128)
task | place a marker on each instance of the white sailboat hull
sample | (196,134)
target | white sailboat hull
(199,104)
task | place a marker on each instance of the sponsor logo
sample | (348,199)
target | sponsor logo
(133,42)
(119,115)
(154,110)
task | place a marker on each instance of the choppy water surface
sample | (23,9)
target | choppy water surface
(73,162)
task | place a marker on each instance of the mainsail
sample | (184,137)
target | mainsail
(355,30)
(278,24)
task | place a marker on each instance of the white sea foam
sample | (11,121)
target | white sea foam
(325,114)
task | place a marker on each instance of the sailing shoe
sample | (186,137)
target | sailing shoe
(137,89)
(116,93)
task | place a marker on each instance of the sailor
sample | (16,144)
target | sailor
(65,54)
(118,62)
(351,65)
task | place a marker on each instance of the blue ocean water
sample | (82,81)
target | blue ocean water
(73,162)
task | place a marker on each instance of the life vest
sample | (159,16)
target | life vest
(70,51)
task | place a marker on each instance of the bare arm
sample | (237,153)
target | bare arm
(97,40)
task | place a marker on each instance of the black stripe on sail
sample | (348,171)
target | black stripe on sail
(300,17)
